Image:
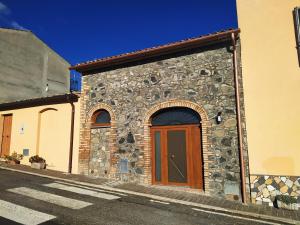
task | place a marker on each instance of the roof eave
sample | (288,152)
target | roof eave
(52,100)
(154,52)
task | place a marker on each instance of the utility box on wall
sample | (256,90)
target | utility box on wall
(25,152)
(123,166)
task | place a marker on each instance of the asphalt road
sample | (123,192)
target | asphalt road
(27,199)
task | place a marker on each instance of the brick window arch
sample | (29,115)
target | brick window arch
(85,140)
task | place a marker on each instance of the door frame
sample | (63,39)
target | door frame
(191,149)
(2,127)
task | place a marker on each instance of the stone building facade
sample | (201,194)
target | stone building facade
(198,77)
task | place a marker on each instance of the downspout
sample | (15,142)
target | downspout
(239,125)
(71,135)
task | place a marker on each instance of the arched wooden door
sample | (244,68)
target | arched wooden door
(176,148)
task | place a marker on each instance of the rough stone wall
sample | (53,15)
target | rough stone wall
(265,188)
(204,77)
(100,154)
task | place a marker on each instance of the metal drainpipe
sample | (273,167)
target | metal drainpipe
(239,125)
(71,135)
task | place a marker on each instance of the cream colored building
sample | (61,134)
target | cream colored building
(271,79)
(42,127)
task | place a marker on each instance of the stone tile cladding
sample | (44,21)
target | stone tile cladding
(202,80)
(265,188)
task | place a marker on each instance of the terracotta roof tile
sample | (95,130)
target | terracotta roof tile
(188,43)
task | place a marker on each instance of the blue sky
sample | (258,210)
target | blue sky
(81,30)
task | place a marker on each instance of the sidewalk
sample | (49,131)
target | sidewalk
(171,193)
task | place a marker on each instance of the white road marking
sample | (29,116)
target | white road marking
(172,200)
(89,188)
(22,214)
(166,203)
(237,217)
(82,191)
(51,198)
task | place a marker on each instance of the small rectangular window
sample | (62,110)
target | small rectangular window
(296,14)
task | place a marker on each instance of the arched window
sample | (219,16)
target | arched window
(101,118)
(175,116)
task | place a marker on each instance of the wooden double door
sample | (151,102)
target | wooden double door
(176,156)
(6,134)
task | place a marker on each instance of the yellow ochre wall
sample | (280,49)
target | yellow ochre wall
(271,79)
(54,134)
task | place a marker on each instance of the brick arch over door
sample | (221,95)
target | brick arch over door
(204,133)
(84,153)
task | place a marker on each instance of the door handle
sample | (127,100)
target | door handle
(172,156)
(176,167)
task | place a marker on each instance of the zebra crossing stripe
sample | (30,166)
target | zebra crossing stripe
(51,198)
(89,188)
(22,214)
(82,191)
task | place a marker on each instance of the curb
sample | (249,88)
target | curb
(166,199)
